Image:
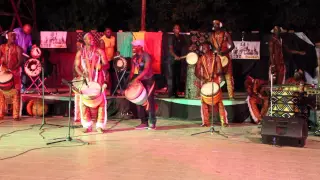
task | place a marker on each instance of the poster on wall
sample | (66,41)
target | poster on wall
(53,39)
(246,50)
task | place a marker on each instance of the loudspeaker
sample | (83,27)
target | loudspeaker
(284,131)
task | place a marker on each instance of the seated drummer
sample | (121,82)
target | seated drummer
(141,71)
(207,71)
(11,58)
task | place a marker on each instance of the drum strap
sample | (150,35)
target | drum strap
(216,40)
(205,65)
(97,71)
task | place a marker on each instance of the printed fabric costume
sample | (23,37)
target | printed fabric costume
(203,70)
(193,84)
(256,98)
(87,113)
(9,60)
(220,42)
(279,68)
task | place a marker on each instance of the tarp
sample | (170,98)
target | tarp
(124,46)
(153,46)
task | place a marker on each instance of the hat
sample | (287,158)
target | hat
(138,43)
(8,33)
(281,29)
(217,22)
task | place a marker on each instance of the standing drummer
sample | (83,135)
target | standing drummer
(141,71)
(90,62)
(11,58)
(223,45)
(208,69)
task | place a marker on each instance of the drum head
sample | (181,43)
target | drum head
(134,90)
(92,90)
(120,64)
(224,61)
(192,58)
(32,67)
(206,89)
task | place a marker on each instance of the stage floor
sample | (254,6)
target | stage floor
(168,153)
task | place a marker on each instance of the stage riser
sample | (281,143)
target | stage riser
(236,113)
(119,106)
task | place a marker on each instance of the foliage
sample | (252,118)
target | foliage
(190,14)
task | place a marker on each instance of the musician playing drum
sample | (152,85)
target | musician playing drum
(90,62)
(223,45)
(141,71)
(11,58)
(208,69)
(77,114)
(256,97)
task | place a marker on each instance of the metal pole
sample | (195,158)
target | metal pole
(143,15)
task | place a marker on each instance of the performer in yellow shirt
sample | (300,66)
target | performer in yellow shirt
(107,43)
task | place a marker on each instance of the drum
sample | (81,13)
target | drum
(35,52)
(136,93)
(192,58)
(6,79)
(91,95)
(32,67)
(206,93)
(224,61)
(120,64)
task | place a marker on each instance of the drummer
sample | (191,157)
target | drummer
(223,45)
(208,70)
(90,62)
(77,114)
(141,71)
(11,58)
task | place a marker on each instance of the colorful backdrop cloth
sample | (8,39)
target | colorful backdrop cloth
(124,46)
(139,35)
(53,39)
(153,44)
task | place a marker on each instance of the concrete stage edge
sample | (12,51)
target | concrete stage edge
(181,108)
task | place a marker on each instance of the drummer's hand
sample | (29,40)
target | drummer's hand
(133,81)
(34,46)
(85,74)
(176,58)
(302,53)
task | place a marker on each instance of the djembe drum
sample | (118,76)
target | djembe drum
(211,93)
(6,79)
(136,93)
(92,95)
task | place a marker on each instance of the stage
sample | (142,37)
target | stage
(170,153)
(182,108)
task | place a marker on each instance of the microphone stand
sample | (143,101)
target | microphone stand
(68,138)
(44,122)
(212,130)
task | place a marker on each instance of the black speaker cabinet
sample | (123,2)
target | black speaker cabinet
(284,131)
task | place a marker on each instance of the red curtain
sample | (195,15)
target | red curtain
(153,44)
